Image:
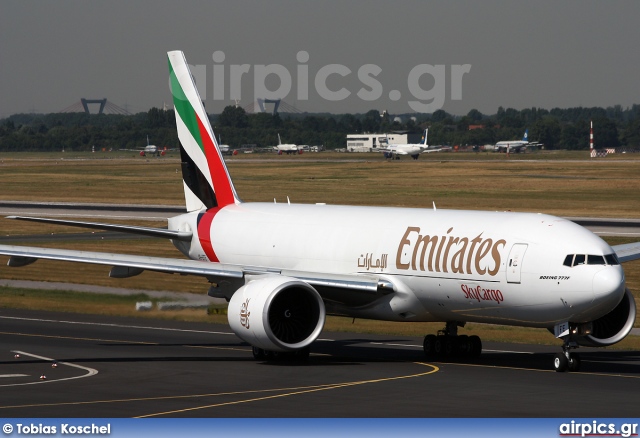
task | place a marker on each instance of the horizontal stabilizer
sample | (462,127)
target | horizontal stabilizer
(143,231)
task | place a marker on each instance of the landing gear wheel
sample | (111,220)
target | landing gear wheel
(429,346)
(464,346)
(439,345)
(271,356)
(574,362)
(258,353)
(560,362)
(450,346)
(302,355)
(475,345)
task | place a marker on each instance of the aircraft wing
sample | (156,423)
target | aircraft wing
(427,151)
(25,255)
(394,151)
(363,288)
(627,252)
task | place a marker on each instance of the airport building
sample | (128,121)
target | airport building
(373,142)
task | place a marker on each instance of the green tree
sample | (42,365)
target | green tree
(474,115)
(547,131)
(233,117)
(371,121)
(439,116)
(605,133)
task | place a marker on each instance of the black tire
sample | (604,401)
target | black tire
(574,362)
(560,362)
(258,353)
(429,345)
(450,346)
(464,346)
(438,346)
(302,355)
(475,346)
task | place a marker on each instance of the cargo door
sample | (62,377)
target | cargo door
(514,263)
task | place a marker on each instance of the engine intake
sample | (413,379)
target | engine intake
(277,313)
(612,327)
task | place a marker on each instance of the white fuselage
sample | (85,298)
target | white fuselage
(287,147)
(406,149)
(497,267)
(512,145)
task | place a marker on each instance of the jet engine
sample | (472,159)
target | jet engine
(610,328)
(277,313)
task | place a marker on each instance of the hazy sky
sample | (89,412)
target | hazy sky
(517,53)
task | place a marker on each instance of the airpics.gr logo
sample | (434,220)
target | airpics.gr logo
(330,82)
(596,428)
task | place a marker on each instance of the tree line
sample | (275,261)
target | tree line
(556,129)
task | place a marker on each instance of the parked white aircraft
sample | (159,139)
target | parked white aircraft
(287,148)
(283,267)
(412,149)
(225,148)
(514,145)
(149,149)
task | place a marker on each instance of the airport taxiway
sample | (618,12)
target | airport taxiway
(137,367)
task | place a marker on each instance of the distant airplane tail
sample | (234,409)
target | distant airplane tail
(207,183)
(424,139)
(279,141)
(526,135)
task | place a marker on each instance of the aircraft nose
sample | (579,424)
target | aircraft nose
(609,282)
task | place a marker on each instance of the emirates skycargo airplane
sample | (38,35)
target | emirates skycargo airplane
(283,267)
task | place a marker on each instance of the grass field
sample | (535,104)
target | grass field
(564,184)
(600,188)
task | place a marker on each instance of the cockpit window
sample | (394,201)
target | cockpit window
(595,260)
(590,259)
(611,259)
(568,260)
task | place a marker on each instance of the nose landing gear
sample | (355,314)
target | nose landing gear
(567,361)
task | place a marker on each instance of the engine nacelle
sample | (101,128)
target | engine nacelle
(277,313)
(612,327)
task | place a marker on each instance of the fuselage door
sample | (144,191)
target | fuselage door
(514,263)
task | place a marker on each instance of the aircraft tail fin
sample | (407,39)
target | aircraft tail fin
(207,183)
(526,135)
(279,141)
(426,133)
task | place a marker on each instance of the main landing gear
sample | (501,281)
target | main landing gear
(448,344)
(567,361)
(301,355)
